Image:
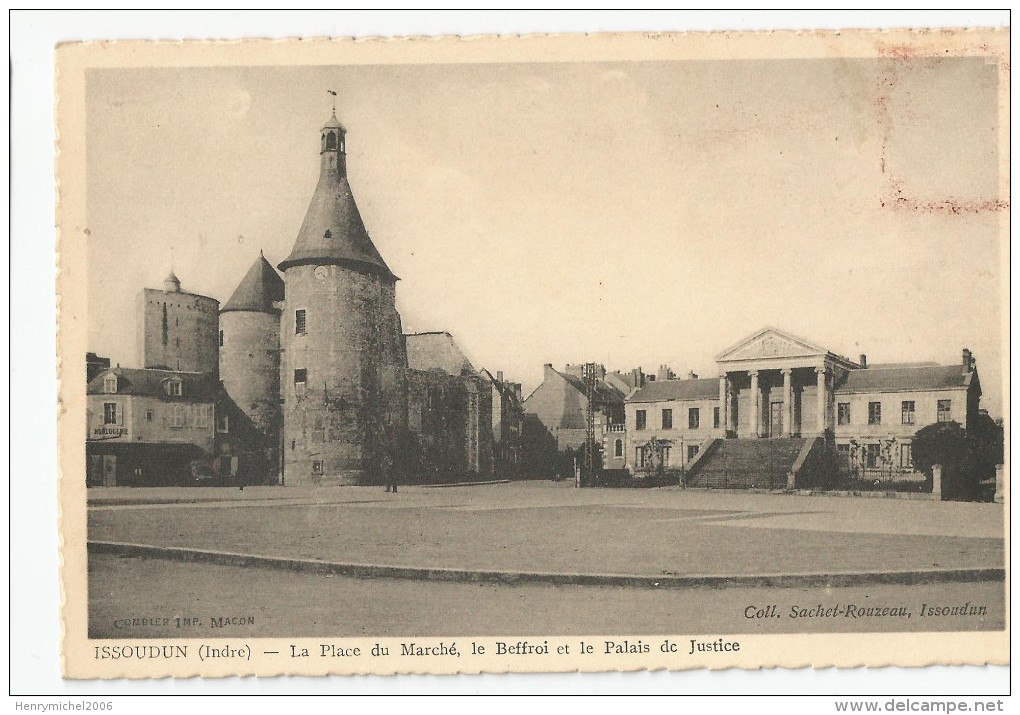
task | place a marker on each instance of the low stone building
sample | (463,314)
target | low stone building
(449,410)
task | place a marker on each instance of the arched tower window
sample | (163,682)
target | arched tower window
(328,234)
(331,140)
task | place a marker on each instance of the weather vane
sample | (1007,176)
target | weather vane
(334,99)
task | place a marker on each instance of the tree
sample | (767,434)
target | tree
(946,443)
(986,439)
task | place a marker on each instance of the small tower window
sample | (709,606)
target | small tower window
(299,322)
(221,338)
(328,234)
(331,140)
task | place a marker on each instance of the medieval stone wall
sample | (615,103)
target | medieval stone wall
(352,355)
(178,331)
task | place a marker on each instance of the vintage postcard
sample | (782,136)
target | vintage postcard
(540,353)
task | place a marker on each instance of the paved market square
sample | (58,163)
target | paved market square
(545,527)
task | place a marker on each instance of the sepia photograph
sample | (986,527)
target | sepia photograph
(523,354)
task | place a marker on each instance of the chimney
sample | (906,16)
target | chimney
(968,360)
(549,372)
(864,360)
(664,372)
(499,375)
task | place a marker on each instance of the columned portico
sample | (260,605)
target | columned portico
(775,385)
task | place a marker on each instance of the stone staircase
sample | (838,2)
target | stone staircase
(747,463)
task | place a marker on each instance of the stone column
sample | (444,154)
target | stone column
(755,405)
(936,481)
(787,402)
(822,398)
(724,404)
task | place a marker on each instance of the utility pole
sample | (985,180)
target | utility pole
(589,451)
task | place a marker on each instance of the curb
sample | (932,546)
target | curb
(461,484)
(226,558)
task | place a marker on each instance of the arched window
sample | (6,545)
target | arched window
(331,140)
(619,448)
(328,234)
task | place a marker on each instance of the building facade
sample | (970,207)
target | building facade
(775,386)
(150,427)
(507,423)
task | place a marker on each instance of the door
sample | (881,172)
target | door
(109,470)
(776,419)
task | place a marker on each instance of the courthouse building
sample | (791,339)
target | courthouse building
(779,400)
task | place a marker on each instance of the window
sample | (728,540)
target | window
(202,415)
(110,384)
(174,388)
(639,455)
(317,466)
(871,455)
(693,418)
(300,377)
(843,414)
(110,416)
(945,413)
(715,417)
(667,419)
(692,452)
(328,234)
(299,322)
(874,413)
(906,457)
(331,141)
(150,415)
(618,448)
(223,424)
(640,420)
(907,412)
(843,452)
(221,338)
(177,416)
(664,453)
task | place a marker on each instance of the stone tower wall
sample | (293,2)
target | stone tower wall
(250,370)
(353,353)
(178,330)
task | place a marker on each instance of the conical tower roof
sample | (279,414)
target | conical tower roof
(257,291)
(333,231)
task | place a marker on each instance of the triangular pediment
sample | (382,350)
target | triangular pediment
(770,343)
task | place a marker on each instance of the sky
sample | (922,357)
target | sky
(628,213)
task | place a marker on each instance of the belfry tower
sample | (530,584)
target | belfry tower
(343,368)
